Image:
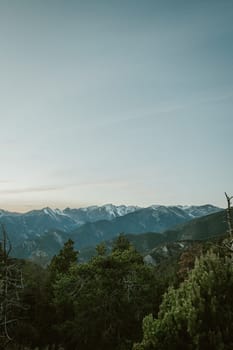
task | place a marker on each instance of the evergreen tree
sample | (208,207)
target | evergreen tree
(101,249)
(109,297)
(121,243)
(198,315)
(64,260)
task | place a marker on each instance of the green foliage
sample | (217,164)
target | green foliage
(101,304)
(101,249)
(121,243)
(38,316)
(198,315)
(64,260)
(109,297)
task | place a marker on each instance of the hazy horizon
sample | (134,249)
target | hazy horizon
(126,102)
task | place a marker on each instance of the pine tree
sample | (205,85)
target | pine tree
(197,315)
(121,243)
(109,297)
(65,259)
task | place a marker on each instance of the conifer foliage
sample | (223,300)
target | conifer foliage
(101,303)
(198,315)
(64,260)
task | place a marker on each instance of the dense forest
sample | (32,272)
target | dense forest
(116,301)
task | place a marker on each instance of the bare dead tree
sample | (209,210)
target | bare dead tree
(229,243)
(229,217)
(11,283)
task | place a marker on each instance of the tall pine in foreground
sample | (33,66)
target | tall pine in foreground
(199,314)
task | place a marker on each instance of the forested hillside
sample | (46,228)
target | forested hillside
(117,301)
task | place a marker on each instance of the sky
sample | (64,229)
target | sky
(123,102)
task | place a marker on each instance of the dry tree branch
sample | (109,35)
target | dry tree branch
(10,283)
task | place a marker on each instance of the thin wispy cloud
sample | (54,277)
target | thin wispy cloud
(30,190)
(103,183)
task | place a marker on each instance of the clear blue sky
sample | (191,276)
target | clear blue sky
(129,102)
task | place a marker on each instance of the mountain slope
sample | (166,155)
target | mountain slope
(201,228)
(151,219)
(177,239)
(101,222)
(37,222)
(34,223)
(89,235)
(96,213)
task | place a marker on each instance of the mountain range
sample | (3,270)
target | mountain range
(154,245)
(43,232)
